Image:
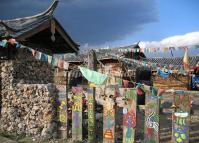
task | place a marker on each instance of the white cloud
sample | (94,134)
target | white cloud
(188,39)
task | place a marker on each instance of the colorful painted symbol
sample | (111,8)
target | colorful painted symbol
(180,134)
(151,121)
(180,117)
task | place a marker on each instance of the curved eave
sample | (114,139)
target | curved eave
(17,25)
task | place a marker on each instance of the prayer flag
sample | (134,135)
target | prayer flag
(186,60)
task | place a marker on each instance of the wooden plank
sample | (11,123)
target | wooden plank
(62,106)
(151,127)
(181,118)
(91,127)
(129,114)
(109,117)
(77,114)
(92,65)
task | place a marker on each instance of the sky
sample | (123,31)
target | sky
(114,23)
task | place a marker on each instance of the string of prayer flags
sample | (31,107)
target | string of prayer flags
(148,64)
(4,43)
(56,62)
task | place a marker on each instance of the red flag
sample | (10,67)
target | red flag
(61,63)
(125,83)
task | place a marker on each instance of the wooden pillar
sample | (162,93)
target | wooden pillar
(181,118)
(129,114)
(151,128)
(92,64)
(77,114)
(67,104)
(109,116)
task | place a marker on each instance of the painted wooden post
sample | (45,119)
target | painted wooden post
(77,114)
(109,117)
(62,109)
(181,118)
(151,128)
(91,115)
(67,86)
(129,114)
(92,64)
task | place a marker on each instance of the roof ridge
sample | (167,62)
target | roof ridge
(48,12)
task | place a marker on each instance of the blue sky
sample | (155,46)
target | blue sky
(175,17)
(113,23)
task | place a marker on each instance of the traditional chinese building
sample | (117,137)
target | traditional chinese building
(42,32)
(28,87)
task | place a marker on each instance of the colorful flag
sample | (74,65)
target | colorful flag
(54,61)
(49,59)
(125,83)
(186,60)
(61,63)
(66,65)
(3,43)
(44,57)
(37,55)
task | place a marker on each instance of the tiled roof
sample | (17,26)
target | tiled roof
(174,60)
(105,54)
(19,26)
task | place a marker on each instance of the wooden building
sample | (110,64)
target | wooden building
(112,66)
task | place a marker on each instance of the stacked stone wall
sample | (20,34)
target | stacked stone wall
(28,97)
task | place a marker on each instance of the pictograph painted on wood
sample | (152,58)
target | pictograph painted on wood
(151,131)
(62,105)
(109,117)
(90,115)
(129,114)
(77,113)
(181,118)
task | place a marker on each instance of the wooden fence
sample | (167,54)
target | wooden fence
(126,99)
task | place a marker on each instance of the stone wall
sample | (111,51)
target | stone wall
(32,72)
(28,102)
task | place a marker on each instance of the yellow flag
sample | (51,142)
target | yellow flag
(186,60)
(92,85)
